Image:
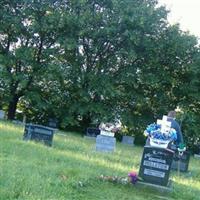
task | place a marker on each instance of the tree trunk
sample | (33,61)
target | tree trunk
(12,107)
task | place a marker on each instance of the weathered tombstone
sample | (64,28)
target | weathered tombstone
(181,161)
(92,132)
(105,143)
(197,154)
(129,140)
(53,123)
(2,114)
(39,133)
(155,165)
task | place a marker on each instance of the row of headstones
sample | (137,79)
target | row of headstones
(105,141)
(156,163)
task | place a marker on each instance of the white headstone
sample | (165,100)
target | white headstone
(2,114)
(107,133)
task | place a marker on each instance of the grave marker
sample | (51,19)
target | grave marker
(197,155)
(129,140)
(53,123)
(155,165)
(105,143)
(38,133)
(2,114)
(183,161)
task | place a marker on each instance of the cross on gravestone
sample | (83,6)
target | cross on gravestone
(107,133)
(165,125)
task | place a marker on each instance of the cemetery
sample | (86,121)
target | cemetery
(99,100)
(76,163)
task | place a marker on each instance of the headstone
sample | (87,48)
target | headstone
(39,133)
(129,140)
(105,143)
(107,133)
(182,161)
(2,114)
(53,123)
(92,132)
(197,154)
(155,165)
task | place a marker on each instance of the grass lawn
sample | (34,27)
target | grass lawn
(70,170)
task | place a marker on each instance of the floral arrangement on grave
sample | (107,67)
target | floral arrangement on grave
(111,127)
(161,131)
(131,179)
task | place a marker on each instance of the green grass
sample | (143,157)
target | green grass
(70,170)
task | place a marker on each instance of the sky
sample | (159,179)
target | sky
(184,12)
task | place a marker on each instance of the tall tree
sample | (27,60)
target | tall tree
(28,33)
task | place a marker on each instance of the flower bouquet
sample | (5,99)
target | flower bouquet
(159,138)
(132,178)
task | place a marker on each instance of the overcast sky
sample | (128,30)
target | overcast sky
(185,12)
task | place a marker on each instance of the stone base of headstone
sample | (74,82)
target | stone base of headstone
(105,143)
(167,188)
(182,161)
(128,140)
(197,156)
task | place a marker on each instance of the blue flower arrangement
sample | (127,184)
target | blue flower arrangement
(154,131)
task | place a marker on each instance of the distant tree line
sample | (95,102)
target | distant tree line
(86,61)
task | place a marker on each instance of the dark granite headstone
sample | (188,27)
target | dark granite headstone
(105,143)
(53,123)
(155,165)
(197,153)
(39,133)
(183,161)
(128,140)
(92,132)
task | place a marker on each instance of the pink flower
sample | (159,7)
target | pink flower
(133,177)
